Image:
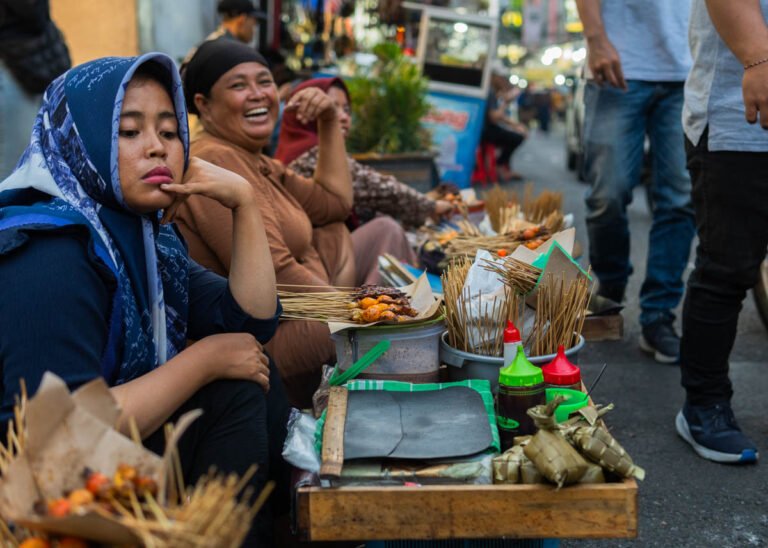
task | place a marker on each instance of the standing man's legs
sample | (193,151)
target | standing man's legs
(614,132)
(672,228)
(731,202)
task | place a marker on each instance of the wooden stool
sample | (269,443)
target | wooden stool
(485,164)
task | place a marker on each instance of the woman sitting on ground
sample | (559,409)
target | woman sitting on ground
(94,284)
(229,86)
(378,198)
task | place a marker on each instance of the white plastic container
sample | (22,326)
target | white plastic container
(413,357)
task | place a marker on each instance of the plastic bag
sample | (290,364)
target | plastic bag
(299,447)
(320,397)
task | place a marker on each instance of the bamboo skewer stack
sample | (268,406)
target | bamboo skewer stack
(347,304)
(467,246)
(331,306)
(558,318)
(537,209)
(453,283)
(468,228)
(518,276)
(509,219)
(16,437)
(476,331)
(500,205)
(560,313)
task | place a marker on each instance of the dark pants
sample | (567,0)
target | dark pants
(730,197)
(240,426)
(505,140)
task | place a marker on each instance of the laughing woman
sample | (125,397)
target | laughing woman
(231,88)
(94,285)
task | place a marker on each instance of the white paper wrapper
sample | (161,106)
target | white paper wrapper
(485,289)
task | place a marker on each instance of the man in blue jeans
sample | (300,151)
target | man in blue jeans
(637,63)
(725,96)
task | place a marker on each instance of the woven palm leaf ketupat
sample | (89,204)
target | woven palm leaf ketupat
(548,449)
(600,446)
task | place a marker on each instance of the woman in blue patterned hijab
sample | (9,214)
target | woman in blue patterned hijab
(72,160)
(95,282)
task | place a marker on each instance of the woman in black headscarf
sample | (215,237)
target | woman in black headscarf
(230,87)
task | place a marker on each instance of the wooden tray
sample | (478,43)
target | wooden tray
(606,510)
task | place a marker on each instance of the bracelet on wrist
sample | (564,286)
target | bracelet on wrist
(755,63)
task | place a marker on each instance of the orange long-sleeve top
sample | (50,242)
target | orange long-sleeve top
(290,206)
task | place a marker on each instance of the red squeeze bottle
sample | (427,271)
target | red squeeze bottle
(561,373)
(511,342)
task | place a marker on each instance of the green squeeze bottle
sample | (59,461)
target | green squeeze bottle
(521,386)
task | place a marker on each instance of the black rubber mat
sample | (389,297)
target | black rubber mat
(416,425)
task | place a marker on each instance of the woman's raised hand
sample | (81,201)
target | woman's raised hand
(234,356)
(228,188)
(312,104)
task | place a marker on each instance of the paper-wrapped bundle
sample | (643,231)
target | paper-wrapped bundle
(68,472)
(597,444)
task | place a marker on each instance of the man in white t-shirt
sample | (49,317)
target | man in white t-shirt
(637,62)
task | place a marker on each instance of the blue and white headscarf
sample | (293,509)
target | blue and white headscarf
(69,176)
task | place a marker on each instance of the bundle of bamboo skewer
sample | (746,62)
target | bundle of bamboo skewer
(328,306)
(466,244)
(557,319)
(518,276)
(478,329)
(561,308)
(537,209)
(506,212)
(498,204)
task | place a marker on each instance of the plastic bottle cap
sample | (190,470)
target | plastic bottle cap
(560,371)
(511,334)
(520,372)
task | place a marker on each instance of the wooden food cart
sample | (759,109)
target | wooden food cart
(455,511)
(607,510)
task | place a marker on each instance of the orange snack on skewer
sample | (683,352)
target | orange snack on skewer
(367,302)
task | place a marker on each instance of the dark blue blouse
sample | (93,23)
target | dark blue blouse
(55,300)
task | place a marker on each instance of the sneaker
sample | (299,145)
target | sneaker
(614,292)
(713,433)
(660,340)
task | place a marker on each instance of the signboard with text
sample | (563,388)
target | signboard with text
(456,123)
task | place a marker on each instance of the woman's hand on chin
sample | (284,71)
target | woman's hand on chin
(228,188)
(312,104)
